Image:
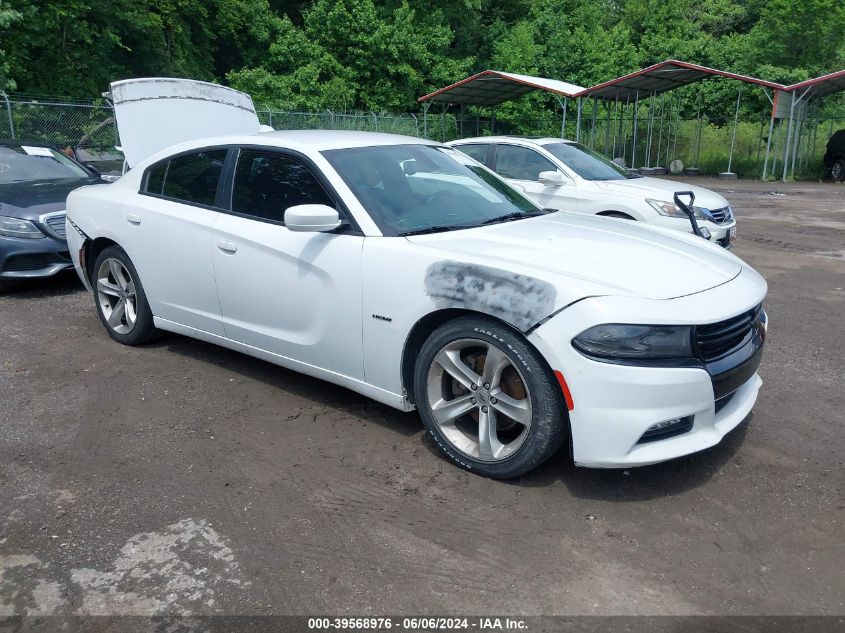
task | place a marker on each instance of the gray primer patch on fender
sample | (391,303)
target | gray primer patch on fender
(517,299)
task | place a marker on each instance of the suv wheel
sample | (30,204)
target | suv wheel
(488,398)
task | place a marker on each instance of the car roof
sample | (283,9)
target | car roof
(531,140)
(339,139)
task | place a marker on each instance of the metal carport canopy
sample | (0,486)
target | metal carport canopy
(492,87)
(821,86)
(662,77)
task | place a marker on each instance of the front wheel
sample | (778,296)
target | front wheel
(488,398)
(121,302)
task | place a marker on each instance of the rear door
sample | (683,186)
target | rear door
(169,235)
(294,294)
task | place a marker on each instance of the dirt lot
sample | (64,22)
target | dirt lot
(184,478)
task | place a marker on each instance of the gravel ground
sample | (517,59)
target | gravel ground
(184,478)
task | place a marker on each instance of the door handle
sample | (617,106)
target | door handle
(227,247)
(134,220)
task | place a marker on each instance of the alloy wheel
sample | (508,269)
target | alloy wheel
(479,399)
(116,295)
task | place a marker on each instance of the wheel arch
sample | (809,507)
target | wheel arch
(423,328)
(93,250)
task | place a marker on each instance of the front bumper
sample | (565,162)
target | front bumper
(719,233)
(614,405)
(29,259)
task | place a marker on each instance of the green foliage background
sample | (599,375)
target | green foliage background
(381,55)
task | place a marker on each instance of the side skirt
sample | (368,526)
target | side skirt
(389,398)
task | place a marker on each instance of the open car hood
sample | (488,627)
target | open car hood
(155,113)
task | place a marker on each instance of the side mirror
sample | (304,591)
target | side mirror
(311,218)
(551,178)
(93,169)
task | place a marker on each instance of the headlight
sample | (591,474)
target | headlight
(664,207)
(13,227)
(619,342)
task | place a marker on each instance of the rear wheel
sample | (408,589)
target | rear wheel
(121,302)
(837,172)
(488,398)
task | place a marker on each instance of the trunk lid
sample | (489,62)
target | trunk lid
(155,113)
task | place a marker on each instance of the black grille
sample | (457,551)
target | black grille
(21,263)
(57,225)
(722,215)
(718,339)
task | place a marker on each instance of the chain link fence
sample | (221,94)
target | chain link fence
(702,144)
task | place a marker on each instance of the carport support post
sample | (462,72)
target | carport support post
(788,140)
(733,135)
(593,131)
(443,124)
(650,130)
(578,123)
(563,103)
(697,134)
(634,134)
(773,100)
(607,129)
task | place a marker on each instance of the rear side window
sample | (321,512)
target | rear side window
(267,184)
(478,152)
(155,177)
(194,177)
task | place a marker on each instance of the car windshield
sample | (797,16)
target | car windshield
(411,189)
(588,164)
(22,163)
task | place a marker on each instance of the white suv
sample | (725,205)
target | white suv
(563,175)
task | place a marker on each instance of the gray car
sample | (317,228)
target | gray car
(35,180)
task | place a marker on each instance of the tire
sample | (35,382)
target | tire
(837,171)
(116,283)
(453,409)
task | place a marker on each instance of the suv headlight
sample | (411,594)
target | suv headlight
(620,342)
(672,210)
(13,227)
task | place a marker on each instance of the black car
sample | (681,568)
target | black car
(834,157)
(35,180)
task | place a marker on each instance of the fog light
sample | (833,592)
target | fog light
(666,429)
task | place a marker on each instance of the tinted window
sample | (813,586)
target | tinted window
(420,188)
(478,152)
(194,177)
(521,163)
(266,184)
(155,177)
(586,163)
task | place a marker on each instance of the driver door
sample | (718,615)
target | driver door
(294,294)
(522,166)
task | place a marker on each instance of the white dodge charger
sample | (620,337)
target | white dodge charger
(406,271)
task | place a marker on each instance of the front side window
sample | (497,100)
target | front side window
(521,163)
(586,163)
(267,184)
(194,177)
(410,189)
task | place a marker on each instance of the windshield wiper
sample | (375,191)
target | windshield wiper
(433,229)
(519,215)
